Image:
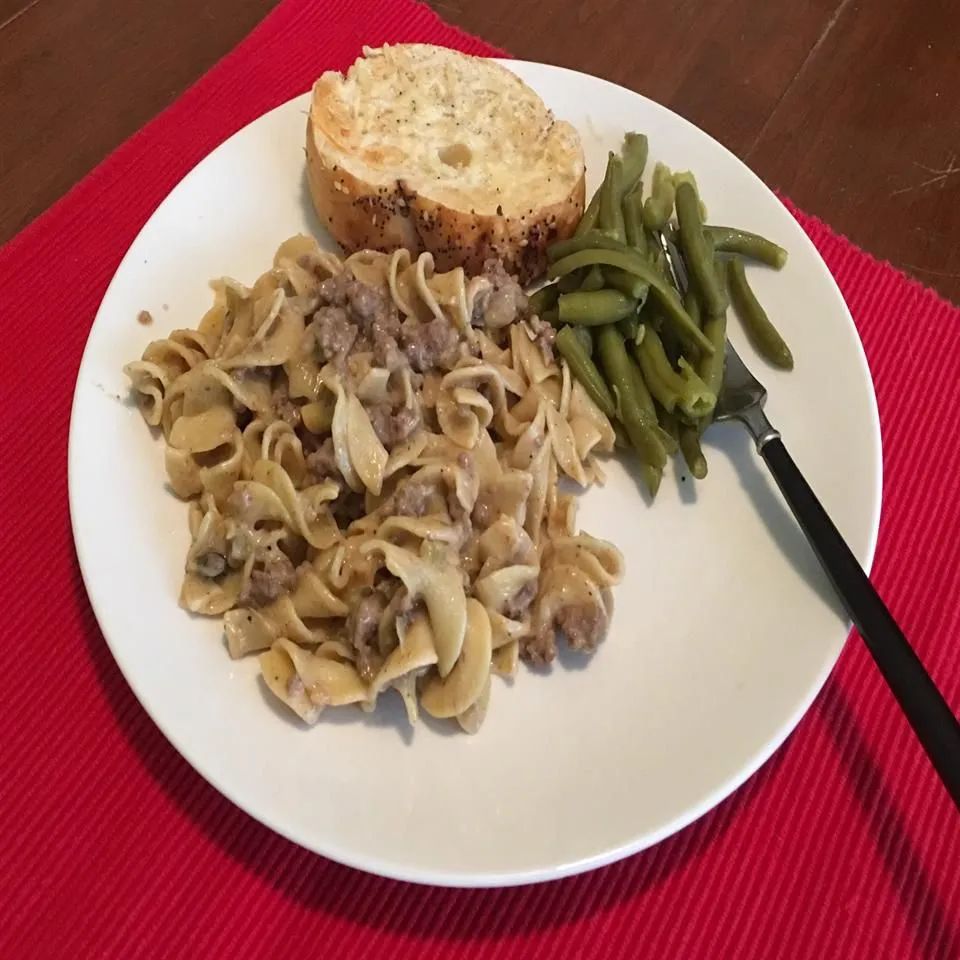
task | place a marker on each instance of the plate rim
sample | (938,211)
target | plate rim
(463,880)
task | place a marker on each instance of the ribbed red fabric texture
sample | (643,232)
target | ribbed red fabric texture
(844,845)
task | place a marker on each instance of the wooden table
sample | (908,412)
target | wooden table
(850,107)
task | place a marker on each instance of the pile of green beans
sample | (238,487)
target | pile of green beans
(648,354)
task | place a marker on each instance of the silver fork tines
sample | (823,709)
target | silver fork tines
(741,398)
(742,395)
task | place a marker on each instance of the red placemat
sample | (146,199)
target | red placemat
(844,845)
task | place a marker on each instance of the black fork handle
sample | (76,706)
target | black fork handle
(933,722)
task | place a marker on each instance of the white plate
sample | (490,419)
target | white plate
(724,629)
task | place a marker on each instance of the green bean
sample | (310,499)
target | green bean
(710,366)
(746,244)
(692,305)
(762,333)
(593,280)
(632,262)
(649,409)
(720,269)
(583,335)
(651,477)
(692,453)
(584,369)
(543,299)
(571,281)
(671,427)
(634,153)
(669,441)
(589,219)
(710,371)
(696,401)
(595,307)
(627,283)
(610,217)
(696,252)
(686,176)
(671,344)
(629,328)
(654,320)
(659,376)
(658,259)
(591,240)
(651,315)
(632,329)
(633,219)
(659,205)
(683,389)
(644,400)
(619,372)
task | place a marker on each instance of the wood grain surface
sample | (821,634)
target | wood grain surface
(850,107)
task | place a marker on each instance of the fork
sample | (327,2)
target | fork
(742,398)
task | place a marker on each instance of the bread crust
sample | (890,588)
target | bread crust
(361,214)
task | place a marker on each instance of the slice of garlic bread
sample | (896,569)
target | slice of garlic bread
(425,148)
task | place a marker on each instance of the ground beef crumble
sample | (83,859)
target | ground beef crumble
(334,333)
(283,407)
(518,605)
(322,462)
(268,580)
(349,304)
(362,624)
(544,336)
(540,648)
(583,624)
(432,344)
(393,424)
(412,499)
(503,302)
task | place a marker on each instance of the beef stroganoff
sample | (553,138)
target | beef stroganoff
(371,452)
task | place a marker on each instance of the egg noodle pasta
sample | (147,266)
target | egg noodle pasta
(372,454)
